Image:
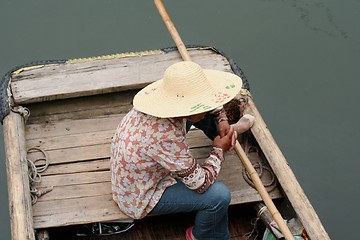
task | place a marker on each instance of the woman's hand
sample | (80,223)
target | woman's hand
(224,128)
(227,142)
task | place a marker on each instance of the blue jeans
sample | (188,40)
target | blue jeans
(211,219)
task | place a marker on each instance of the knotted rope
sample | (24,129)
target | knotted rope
(23,111)
(254,222)
(260,168)
(35,168)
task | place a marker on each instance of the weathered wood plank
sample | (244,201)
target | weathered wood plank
(71,191)
(76,211)
(81,108)
(72,141)
(77,154)
(68,128)
(17,178)
(78,167)
(73,127)
(102,208)
(63,129)
(71,80)
(74,179)
(99,208)
(75,191)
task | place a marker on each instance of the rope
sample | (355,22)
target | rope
(255,231)
(260,168)
(254,222)
(23,111)
(36,167)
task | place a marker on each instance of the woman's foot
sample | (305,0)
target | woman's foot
(189,235)
(244,123)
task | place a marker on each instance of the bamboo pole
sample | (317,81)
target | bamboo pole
(174,33)
(238,149)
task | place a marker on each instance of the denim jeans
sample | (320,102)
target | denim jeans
(211,218)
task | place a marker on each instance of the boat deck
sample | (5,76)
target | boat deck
(75,135)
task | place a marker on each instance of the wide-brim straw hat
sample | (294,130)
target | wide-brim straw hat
(187,89)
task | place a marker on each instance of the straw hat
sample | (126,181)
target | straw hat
(187,89)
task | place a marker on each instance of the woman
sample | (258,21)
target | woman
(152,168)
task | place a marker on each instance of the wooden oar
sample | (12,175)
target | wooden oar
(238,149)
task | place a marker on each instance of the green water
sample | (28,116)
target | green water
(302,59)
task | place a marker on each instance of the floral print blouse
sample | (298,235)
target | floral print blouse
(147,153)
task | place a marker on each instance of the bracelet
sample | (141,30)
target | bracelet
(218,148)
(220,115)
(222,119)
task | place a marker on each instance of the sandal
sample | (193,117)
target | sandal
(189,233)
(103,228)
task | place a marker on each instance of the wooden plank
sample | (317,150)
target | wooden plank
(75,192)
(81,108)
(72,141)
(73,127)
(76,211)
(74,179)
(286,177)
(71,80)
(76,154)
(17,178)
(65,128)
(70,127)
(100,208)
(78,167)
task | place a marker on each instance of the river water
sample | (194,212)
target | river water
(302,59)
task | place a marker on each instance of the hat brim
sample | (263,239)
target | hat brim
(153,100)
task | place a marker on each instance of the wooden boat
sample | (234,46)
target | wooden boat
(58,119)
